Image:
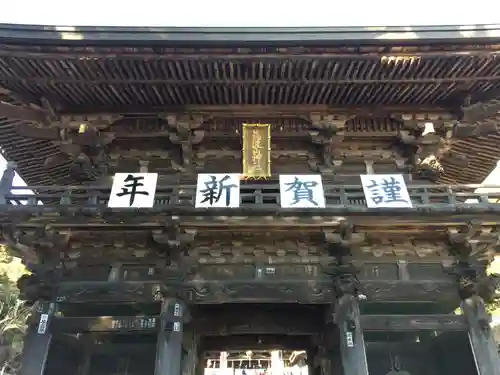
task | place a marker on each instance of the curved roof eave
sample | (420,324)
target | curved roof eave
(248,35)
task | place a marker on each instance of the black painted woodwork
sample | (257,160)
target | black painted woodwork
(401,323)
(169,348)
(37,341)
(428,200)
(483,346)
(352,344)
(70,245)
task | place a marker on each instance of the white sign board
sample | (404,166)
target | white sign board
(301,191)
(385,190)
(133,190)
(218,190)
(42,324)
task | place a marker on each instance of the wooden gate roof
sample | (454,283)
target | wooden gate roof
(46,71)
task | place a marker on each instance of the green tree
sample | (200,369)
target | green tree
(13,313)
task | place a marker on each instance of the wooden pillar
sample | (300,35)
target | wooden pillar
(86,347)
(37,342)
(201,363)
(352,343)
(169,347)
(481,339)
(223,360)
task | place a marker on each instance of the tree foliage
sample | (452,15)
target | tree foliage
(13,314)
(494,273)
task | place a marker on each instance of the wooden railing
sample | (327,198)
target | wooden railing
(253,197)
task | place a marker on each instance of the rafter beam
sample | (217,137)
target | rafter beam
(17,112)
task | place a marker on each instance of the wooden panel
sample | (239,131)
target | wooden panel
(426,271)
(413,322)
(121,324)
(379,271)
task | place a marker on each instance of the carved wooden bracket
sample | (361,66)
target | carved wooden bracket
(473,254)
(41,254)
(345,237)
(474,119)
(343,271)
(328,134)
(474,243)
(430,143)
(81,141)
(175,240)
(185,135)
(37,246)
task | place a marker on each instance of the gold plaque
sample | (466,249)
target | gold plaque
(256,150)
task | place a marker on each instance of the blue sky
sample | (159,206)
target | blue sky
(249,13)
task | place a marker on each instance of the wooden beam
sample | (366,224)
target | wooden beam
(310,290)
(123,349)
(101,80)
(289,54)
(16,112)
(107,292)
(410,291)
(118,324)
(255,342)
(235,110)
(447,322)
(265,323)
(256,217)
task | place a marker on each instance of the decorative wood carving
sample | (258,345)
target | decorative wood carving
(413,291)
(121,324)
(185,135)
(174,241)
(328,134)
(243,246)
(109,292)
(430,140)
(345,237)
(258,293)
(405,248)
(37,246)
(450,322)
(81,142)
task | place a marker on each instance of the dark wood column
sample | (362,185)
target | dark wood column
(352,343)
(169,348)
(37,342)
(481,339)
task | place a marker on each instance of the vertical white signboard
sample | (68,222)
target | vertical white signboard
(133,190)
(385,190)
(218,190)
(301,191)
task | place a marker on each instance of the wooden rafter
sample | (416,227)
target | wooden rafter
(21,113)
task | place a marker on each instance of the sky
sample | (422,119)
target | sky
(249,13)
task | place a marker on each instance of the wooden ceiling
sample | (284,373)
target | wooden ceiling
(91,75)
